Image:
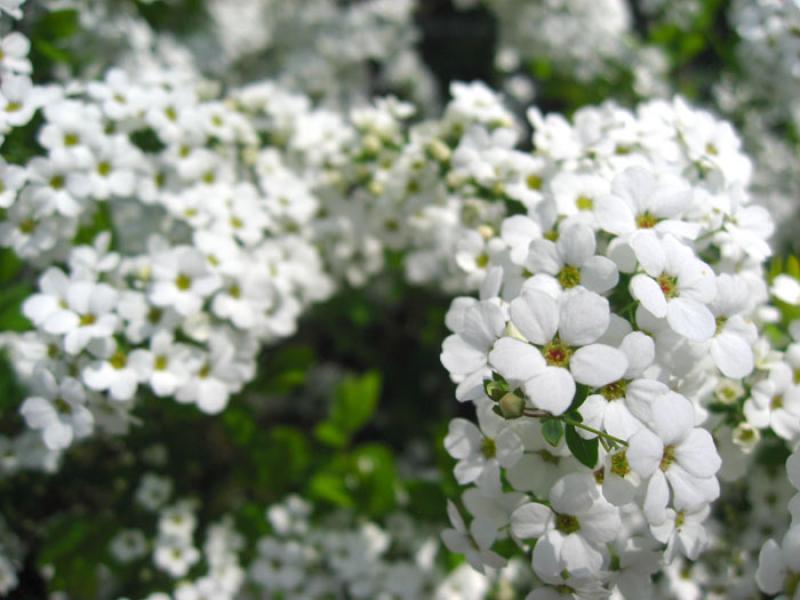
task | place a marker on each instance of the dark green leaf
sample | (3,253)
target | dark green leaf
(552,431)
(581,393)
(11,299)
(584,450)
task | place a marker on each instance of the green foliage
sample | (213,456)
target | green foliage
(50,42)
(11,299)
(584,450)
(355,401)
(552,431)
(20,144)
(74,547)
(364,479)
(14,292)
(147,141)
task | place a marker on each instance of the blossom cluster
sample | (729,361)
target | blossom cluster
(769,54)
(779,565)
(327,50)
(582,38)
(610,312)
(306,558)
(623,360)
(209,571)
(198,248)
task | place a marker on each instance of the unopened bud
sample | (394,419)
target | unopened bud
(372,143)
(439,151)
(512,406)
(495,389)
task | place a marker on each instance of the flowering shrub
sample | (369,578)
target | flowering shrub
(241,240)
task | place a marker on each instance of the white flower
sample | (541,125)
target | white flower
(59,410)
(12,178)
(177,522)
(474,543)
(481,452)
(573,529)
(638,560)
(518,231)
(58,184)
(673,450)
(576,195)
(81,313)
(731,346)
(775,402)
(18,101)
(563,331)
(164,365)
(14,53)
(464,354)
(128,545)
(676,285)
(779,566)
(213,377)
(30,231)
(153,491)
(793,468)
(618,406)
(182,280)
(683,532)
(786,289)
(114,371)
(620,482)
(572,260)
(541,465)
(113,168)
(12,7)
(175,556)
(638,201)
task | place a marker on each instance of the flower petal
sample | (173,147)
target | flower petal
(598,365)
(552,390)
(535,314)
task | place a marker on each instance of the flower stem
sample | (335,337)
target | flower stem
(597,432)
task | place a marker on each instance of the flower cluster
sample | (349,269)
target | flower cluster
(779,565)
(196,248)
(327,50)
(580,37)
(769,53)
(305,558)
(612,309)
(173,549)
(622,357)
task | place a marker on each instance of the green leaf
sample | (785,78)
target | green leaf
(793,266)
(581,393)
(240,425)
(21,143)
(330,435)
(73,547)
(552,431)
(330,487)
(374,472)
(10,265)
(11,299)
(584,450)
(147,140)
(101,221)
(286,369)
(354,403)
